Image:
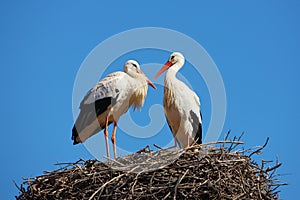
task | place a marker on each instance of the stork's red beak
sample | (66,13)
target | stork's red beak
(151,84)
(148,80)
(164,68)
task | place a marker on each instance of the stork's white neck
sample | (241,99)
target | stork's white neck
(172,71)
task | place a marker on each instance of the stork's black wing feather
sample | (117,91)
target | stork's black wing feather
(198,136)
(197,127)
(88,113)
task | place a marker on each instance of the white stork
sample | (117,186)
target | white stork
(108,100)
(181,105)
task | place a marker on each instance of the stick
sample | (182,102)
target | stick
(111,180)
(175,193)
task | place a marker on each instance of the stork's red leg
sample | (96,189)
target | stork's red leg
(113,139)
(106,137)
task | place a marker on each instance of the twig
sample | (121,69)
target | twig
(179,180)
(100,188)
(258,150)
(157,146)
(17,186)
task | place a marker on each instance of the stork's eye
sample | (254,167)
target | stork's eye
(134,65)
(172,57)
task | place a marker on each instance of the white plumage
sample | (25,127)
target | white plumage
(108,100)
(181,104)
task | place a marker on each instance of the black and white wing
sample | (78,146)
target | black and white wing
(96,102)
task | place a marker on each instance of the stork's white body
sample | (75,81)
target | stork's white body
(181,105)
(108,100)
(120,91)
(182,110)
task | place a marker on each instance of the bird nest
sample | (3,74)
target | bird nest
(217,170)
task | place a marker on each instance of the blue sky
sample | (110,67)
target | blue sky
(255,45)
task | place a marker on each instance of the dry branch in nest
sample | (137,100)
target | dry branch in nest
(207,171)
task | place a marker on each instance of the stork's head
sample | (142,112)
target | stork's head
(132,68)
(175,59)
